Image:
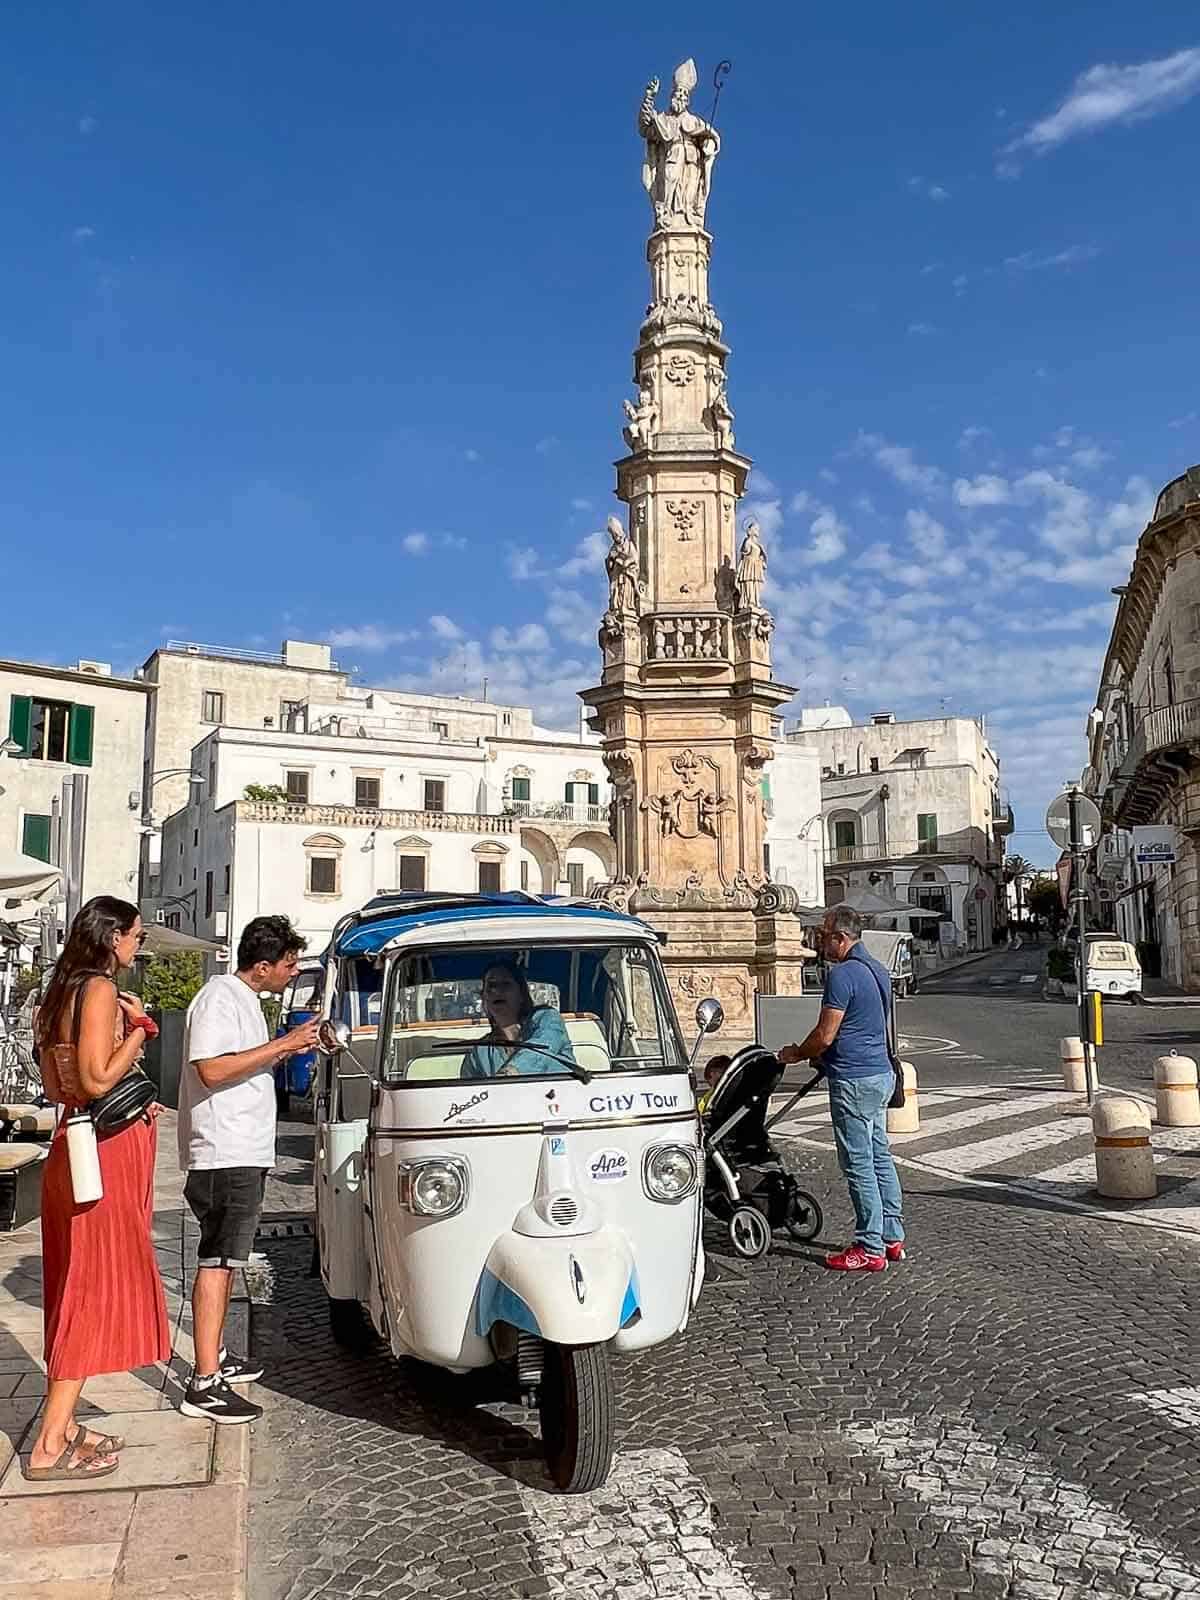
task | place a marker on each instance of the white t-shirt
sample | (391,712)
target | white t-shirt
(232,1125)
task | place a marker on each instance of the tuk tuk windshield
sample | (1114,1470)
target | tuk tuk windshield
(470,1013)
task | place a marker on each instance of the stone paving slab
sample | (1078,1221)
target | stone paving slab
(171,1520)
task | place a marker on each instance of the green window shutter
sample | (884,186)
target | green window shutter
(520,788)
(35,837)
(593,794)
(569,792)
(20,718)
(79,736)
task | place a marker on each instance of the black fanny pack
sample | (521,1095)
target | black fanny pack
(128,1099)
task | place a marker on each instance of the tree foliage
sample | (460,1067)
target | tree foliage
(169,983)
(269,793)
(1042,899)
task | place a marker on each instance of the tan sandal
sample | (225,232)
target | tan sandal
(99,1444)
(62,1470)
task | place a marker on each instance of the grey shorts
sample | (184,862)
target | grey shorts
(226,1202)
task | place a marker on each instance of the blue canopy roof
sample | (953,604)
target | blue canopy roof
(388,916)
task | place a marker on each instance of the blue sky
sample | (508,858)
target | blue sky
(318,323)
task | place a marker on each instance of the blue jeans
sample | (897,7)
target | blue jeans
(859,1110)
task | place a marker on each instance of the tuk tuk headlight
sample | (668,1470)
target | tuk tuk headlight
(671,1172)
(437,1186)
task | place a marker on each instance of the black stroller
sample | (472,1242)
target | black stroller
(746,1185)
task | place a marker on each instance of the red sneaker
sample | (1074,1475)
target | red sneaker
(893,1249)
(855,1259)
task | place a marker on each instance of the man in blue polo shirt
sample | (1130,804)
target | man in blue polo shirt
(851,1042)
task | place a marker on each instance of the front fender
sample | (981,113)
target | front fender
(567,1291)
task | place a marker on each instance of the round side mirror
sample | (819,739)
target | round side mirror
(710,1014)
(333,1037)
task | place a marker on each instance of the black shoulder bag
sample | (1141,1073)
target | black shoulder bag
(889,1022)
(129,1098)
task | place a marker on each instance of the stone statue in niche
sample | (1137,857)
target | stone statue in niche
(751,569)
(720,411)
(621,565)
(726,585)
(642,422)
(681,150)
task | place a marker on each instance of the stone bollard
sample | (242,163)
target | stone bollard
(1124,1159)
(1074,1067)
(1176,1092)
(906,1118)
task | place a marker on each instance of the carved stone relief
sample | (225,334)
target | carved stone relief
(680,370)
(689,638)
(683,514)
(688,810)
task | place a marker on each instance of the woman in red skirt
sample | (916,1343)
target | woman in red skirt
(101,1292)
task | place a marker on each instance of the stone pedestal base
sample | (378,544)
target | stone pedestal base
(729,954)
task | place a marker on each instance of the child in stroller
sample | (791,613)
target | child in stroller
(746,1185)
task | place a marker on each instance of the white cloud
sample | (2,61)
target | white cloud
(1031,261)
(828,539)
(569,614)
(928,190)
(83,234)
(589,556)
(767,513)
(531,636)
(524,563)
(931,267)
(1188,420)
(580,504)
(443,627)
(828,475)
(87,125)
(898,460)
(416,543)
(761,485)
(1088,457)
(470,455)
(546,445)
(985,490)
(368,636)
(1106,94)
(923,329)
(971,436)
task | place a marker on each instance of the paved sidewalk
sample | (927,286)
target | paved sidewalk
(171,1520)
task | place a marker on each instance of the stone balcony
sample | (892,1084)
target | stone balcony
(1163,750)
(557,811)
(362,817)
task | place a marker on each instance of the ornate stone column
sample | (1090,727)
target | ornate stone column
(687,692)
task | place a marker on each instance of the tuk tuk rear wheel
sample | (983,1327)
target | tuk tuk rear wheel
(575,1404)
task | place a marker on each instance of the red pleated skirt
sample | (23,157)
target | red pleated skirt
(101,1292)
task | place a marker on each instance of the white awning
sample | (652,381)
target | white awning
(25,882)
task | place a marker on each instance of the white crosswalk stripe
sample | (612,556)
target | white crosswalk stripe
(1047,1153)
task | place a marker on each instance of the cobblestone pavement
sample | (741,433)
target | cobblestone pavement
(1014,1411)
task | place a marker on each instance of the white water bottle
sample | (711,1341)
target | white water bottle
(83,1158)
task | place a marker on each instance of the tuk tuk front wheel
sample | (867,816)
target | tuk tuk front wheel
(575,1404)
(349,1326)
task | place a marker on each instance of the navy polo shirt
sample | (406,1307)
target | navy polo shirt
(860,1049)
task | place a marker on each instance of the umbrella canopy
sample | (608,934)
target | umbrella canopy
(24,880)
(164,941)
(869,904)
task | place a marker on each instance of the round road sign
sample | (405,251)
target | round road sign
(1058,821)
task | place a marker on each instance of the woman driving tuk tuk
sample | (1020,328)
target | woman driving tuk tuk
(516,1021)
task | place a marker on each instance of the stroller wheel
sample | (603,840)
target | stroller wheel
(807,1218)
(749,1233)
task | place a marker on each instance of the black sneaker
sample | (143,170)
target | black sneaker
(234,1370)
(218,1402)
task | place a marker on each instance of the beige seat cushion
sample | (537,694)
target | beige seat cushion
(15,1156)
(29,1119)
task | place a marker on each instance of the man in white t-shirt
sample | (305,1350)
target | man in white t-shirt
(227,1144)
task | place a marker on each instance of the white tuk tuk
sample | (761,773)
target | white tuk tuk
(508,1166)
(1112,966)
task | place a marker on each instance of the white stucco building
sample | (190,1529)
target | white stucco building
(795,844)
(58,722)
(914,811)
(376,790)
